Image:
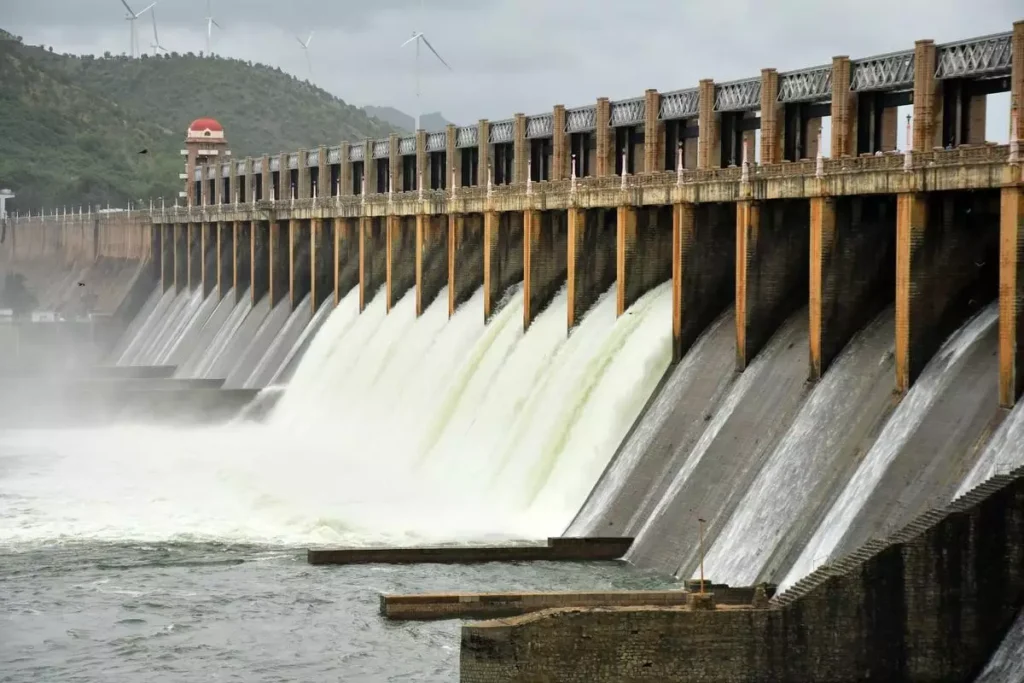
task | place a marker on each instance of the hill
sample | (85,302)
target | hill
(399,119)
(61,143)
(90,115)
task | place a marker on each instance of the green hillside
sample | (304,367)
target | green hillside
(71,126)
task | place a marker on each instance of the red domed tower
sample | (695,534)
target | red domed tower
(205,142)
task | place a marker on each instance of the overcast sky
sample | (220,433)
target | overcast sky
(518,55)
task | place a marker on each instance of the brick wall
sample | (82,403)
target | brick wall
(930,604)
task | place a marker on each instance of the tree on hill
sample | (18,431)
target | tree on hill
(71,127)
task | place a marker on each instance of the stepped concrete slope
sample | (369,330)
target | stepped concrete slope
(933,602)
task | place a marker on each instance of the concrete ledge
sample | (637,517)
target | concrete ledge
(557,550)
(495,605)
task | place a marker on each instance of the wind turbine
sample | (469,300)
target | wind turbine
(210,23)
(305,50)
(156,38)
(132,16)
(418,37)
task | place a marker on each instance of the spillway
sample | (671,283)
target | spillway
(648,458)
(378,436)
(1005,452)
(295,354)
(811,463)
(206,358)
(280,347)
(737,437)
(922,452)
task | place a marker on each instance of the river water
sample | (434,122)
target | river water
(111,612)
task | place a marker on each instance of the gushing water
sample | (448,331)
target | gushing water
(805,458)
(206,358)
(394,429)
(1005,452)
(1007,664)
(901,425)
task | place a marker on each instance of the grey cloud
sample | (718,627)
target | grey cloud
(523,55)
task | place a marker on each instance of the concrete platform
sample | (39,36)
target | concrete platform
(557,550)
(437,606)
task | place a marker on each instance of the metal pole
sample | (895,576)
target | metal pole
(701,521)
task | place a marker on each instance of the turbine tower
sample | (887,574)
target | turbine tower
(133,49)
(156,38)
(210,23)
(417,37)
(305,50)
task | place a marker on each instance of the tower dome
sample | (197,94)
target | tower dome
(205,129)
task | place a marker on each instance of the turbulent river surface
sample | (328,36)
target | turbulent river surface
(112,612)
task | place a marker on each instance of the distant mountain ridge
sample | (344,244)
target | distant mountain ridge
(429,122)
(72,127)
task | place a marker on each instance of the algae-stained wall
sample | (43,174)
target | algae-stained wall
(932,606)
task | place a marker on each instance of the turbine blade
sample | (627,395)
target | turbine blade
(214,22)
(439,57)
(130,11)
(299,41)
(414,37)
(151,6)
(310,39)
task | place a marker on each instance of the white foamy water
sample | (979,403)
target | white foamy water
(394,429)
(904,421)
(1007,664)
(204,359)
(1004,452)
(786,483)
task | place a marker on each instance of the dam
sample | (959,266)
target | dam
(671,318)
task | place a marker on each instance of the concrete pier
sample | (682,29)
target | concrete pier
(771,270)
(259,260)
(703,269)
(465,258)
(347,261)
(545,243)
(431,259)
(242,245)
(504,257)
(280,265)
(299,261)
(322,262)
(401,257)
(372,259)
(592,265)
